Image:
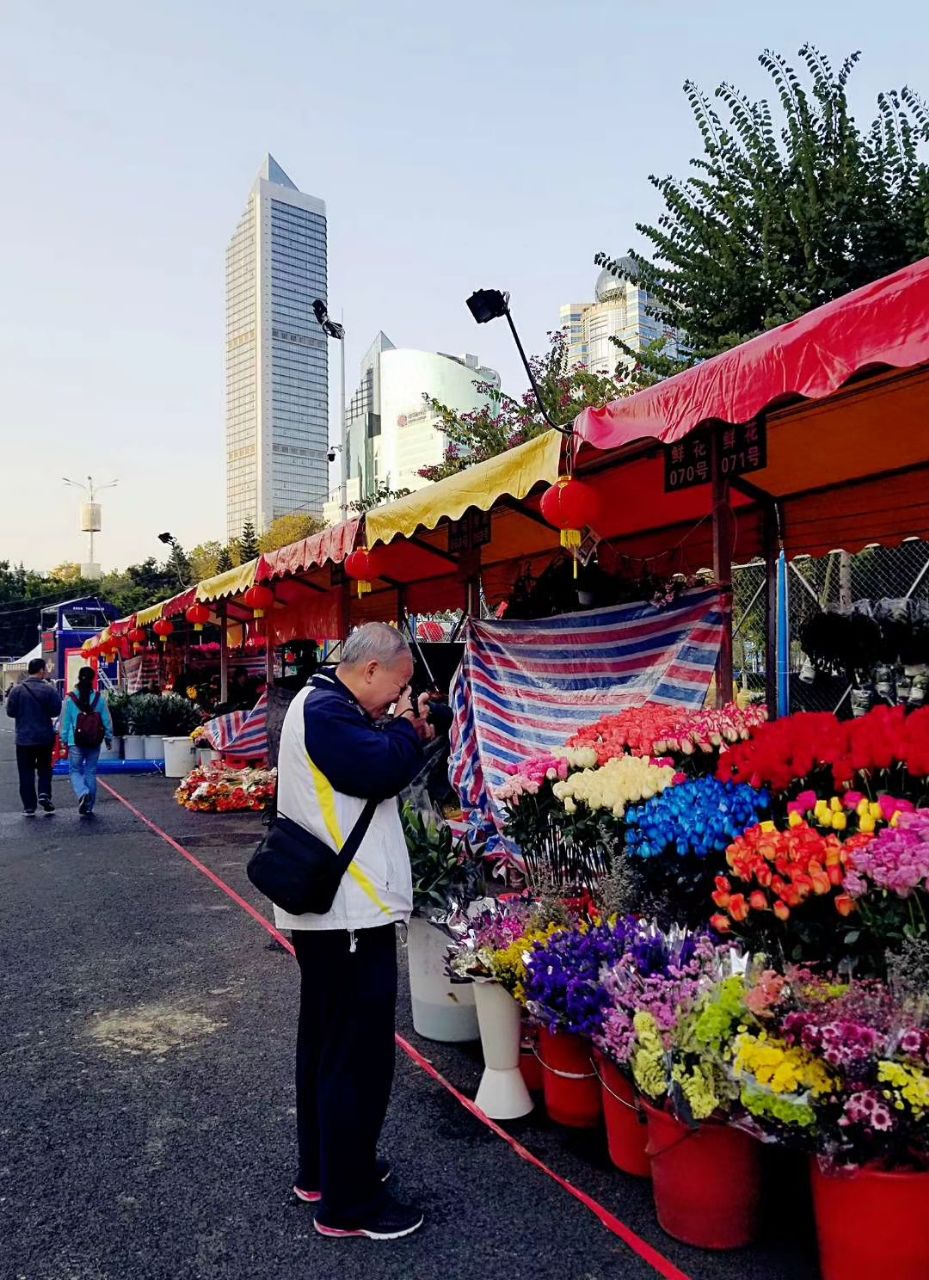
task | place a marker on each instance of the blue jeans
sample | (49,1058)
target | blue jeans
(83,762)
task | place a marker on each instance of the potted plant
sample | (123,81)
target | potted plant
(136,720)
(145,722)
(179,716)
(117,702)
(445,872)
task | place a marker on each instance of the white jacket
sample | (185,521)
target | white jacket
(377,887)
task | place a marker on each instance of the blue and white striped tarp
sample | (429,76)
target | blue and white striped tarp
(241,733)
(525,688)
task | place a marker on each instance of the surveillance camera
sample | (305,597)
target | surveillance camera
(331,455)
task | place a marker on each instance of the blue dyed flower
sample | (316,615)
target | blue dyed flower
(699,817)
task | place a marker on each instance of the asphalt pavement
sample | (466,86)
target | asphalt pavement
(146,1112)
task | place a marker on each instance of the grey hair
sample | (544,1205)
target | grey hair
(374,642)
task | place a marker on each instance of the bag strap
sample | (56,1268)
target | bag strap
(358,833)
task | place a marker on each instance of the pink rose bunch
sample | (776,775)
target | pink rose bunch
(897,859)
(528,778)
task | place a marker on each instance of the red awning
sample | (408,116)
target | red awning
(884,324)
(331,546)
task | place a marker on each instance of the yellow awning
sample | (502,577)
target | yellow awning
(231,583)
(146,616)
(514,474)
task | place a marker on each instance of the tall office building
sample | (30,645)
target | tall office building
(277,370)
(620,311)
(392,431)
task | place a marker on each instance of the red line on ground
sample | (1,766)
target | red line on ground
(664,1266)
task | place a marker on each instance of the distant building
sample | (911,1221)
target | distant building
(277,374)
(620,311)
(392,431)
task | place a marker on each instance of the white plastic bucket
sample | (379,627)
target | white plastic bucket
(154,746)
(441,1010)
(133,747)
(206,755)
(179,756)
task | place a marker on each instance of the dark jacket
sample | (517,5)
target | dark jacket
(34,704)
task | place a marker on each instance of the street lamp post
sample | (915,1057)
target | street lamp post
(332,329)
(491,304)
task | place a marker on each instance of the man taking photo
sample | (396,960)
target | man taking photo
(338,752)
(34,704)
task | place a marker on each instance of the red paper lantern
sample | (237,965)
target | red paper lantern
(570,505)
(362,565)
(138,636)
(259,600)
(163,628)
(198,614)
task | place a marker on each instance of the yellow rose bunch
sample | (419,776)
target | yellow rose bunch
(622,781)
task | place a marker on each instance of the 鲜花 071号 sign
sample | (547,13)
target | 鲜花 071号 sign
(688,462)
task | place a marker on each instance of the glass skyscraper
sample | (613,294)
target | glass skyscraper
(277,371)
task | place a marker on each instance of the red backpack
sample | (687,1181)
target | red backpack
(88,730)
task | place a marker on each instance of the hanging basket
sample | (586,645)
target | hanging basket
(706,1181)
(871,1224)
(569,1082)
(623,1114)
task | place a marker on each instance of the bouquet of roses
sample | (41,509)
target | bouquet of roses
(622,781)
(218,788)
(852,811)
(786,890)
(699,817)
(655,730)
(889,880)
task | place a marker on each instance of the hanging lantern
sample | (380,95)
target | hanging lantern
(259,600)
(162,629)
(138,636)
(362,566)
(199,615)
(570,505)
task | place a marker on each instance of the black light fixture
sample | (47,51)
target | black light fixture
(166,538)
(491,304)
(331,328)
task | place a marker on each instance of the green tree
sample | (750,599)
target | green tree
(138,585)
(224,560)
(286,529)
(504,422)
(68,572)
(204,559)
(247,544)
(783,214)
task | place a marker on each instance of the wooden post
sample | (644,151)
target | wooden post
(223,651)
(723,526)
(269,653)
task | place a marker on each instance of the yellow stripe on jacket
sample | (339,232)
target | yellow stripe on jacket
(326,797)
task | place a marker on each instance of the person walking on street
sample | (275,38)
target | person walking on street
(337,754)
(34,704)
(85,724)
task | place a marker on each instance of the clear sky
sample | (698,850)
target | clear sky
(457,146)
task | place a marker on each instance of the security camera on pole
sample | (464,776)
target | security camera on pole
(333,330)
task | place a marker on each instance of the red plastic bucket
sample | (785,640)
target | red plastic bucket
(529,1064)
(706,1181)
(871,1224)
(626,1131)
(569,1082)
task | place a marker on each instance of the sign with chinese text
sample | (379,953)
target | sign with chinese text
(473,530)
(688,462)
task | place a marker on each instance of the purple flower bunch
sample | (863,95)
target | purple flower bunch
(659,973)
(563,988)
(867,1110)
(897,859)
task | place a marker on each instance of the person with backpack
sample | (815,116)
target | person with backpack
(85,725)
(34,704)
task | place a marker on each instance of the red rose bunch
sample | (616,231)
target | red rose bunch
(634,732)
(787,751)
(778,871)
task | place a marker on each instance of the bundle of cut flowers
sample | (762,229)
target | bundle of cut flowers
(845,1071)
(494,945)
(811,746)
(218,788)
(689,1066)
(562,984)
(700,816)
(852,811)
(622,781)
(889,880)
(658,973)
(655,730)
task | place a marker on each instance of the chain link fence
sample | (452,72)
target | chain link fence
(837,583)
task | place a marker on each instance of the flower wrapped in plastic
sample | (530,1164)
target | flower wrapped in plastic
(562,982)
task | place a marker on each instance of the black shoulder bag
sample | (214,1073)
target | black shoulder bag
(297,871)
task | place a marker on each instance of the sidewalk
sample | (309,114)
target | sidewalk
(146,1088)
